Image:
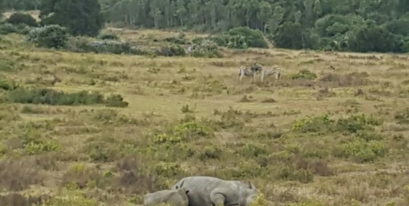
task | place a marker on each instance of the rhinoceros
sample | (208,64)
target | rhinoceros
(176,197)
(208,191)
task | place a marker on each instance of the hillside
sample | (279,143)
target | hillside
(334,131)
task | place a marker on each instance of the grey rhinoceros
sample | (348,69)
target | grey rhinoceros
(208,191)
(176,197)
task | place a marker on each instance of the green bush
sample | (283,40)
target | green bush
(52,97)
(362,151)
(356,123)
(8,28)
(402,117)
(210,152)
(242,37)
(313,124)
(20,18)
(304,74)
(51,36)
(171,50)
(108,36)
(86,44)
(7,85)
(206,48)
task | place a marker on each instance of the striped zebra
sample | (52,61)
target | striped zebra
(271,71)
(243,71)
(250,72)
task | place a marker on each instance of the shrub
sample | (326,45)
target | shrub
(86,44)
(108,36)
(102,150)
(171,50)
(17,175)
(51,36)
(210,152)
(402,117)
(7,85)
(20,18)
(52,97)
(6,65)
(116,100)
(206,48)
(241,37)
(361,151)
(313,124)
(356,123)
(304,74)
(8,28)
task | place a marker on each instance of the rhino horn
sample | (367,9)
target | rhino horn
(250,185)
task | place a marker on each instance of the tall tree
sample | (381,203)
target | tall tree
(81,17)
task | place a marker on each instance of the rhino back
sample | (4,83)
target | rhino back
(200,188)
(166,196)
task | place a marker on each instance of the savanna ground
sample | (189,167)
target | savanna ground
(336,135)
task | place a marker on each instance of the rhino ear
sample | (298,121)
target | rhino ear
(181,185)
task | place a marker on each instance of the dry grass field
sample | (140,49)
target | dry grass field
(334,131)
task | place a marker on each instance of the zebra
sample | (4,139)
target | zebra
(243,71)
(271,71)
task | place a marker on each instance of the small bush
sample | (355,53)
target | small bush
(6,66)
(108,36)
(116,100)
(304,74)
(242,37)
(52,97)
(206,48)
(10,28)
(102,149)
(356,123)
(210,152)
(168,170)
(7,85)
(402,117)
(51,36)
(362,151)
(20,18)
(83,177)
(17,175)
(313,124)
(171,50)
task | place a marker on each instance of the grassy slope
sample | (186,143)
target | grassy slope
(209,87)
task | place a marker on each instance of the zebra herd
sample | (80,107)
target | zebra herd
(258,69)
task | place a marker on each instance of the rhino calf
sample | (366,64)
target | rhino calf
(176,197)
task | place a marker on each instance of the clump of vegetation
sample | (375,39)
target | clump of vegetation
(362,151)
(52,97)
(304,74)
(241,38)
(7,28)
(313,124)
(352,124)
(171,50)
(51,36)
(180,39)
(107,45)
(108,36)
(402,117)
(210,152)
(206,48)
(21,18)
(7,85)
(102,149)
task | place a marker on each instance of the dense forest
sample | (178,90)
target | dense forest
(350,25)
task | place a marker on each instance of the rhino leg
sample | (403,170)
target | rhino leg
(217,198)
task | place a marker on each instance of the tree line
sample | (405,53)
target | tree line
(349,25)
